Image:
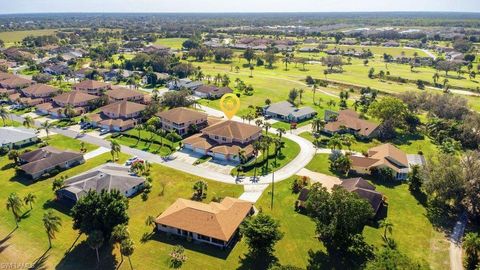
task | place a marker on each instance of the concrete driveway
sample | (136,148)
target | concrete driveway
(315,177)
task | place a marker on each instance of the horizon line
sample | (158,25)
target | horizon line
(235,12)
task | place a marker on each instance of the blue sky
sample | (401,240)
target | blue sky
(33,6)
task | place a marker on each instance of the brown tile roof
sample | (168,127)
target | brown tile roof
(39,89)
(123,93)
(232,129)
(382,155)
(91,84)
(181,115)
(74,97)
(45,106)
(15,82)
(123,108)
(217,220)
(51,161)
(4,76)
(350,119)
(365,190)
(200,141)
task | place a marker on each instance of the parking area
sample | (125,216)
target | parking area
(190,157)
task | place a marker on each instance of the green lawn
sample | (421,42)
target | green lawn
(17,36)
(29,242)
(290,151)
(174,43)
(412,231)
(152,146)
(67,143)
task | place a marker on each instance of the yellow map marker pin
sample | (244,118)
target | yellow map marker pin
(229,103)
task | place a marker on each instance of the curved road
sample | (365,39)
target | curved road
(307,151)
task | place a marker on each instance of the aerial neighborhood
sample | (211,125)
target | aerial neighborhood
(240,141)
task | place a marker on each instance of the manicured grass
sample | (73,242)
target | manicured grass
(174,43)
(146,143)
(380,50)
(286,126)
(67,143)
(29,242)
(413,232)
(288,153)
(298,229)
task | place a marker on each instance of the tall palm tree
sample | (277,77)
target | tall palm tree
(267,126)
(257,147)
(314,90)
(119,234)
(14,203)
(28,122)
(4,115)
(68,111)
(127,248)
(318,124)
(114,149)
(161,133)
(258,122)
(300,95)
(95,241)
(335,142)
(47,126)
(348,140)
(52,224)
(171,137)
(30,199)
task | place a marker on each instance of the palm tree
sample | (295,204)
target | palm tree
(318,124)
(200,190)
(300,94)
(314,89)
(114,149)
(160,132)
(347,140)
(267,126)
(30,199)
(58,183)
(258,122)
(14,203)
(171,137)
(150,221)
(47,126)
(95,241)
(387,228)
(334,142)
(280,132)
(28,122)
(68,111)
(257,147)
(126,249)
(52,224)
(13,155)
(119,234)
(4,115)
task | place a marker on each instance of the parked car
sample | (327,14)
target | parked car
(104,131)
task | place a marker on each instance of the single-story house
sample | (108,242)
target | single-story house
(40,90)
(224,140)
(57,69)
(118,116)
(286,111)
(106,177)
(183,120)
(124,94)
(184,83)
(348,121)
(366,191)
(214,223)
(16,137)
(211,91)
(46,159)
(382,156)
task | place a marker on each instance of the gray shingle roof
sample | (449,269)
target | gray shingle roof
(106,177)
(286,108)
(10,135)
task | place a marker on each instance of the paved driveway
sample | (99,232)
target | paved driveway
(315,177)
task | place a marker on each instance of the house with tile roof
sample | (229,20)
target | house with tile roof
(348,121)
(78,100)
(15,82)
(105,177)
(286,111)
(183,120)
(382,156)
(224,140)
(214,223)
(118,116)
(366,191)
(39,90)
(47,159)
(92,87)
(124,94)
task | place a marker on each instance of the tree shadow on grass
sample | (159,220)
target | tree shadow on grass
(57,205)
(84,257)
(260,262)
(3,243)
(39,263)
(203,248)
(8,166)
(442,217)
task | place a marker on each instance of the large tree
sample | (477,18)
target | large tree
(340,217)
(100,211)
(262,233)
